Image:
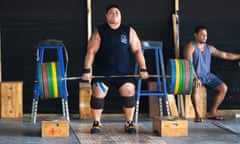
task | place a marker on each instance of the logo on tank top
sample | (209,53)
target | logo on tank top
(124,39)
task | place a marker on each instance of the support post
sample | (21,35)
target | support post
(0,54)
(89,18)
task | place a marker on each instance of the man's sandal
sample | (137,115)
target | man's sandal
(219,118)
(198,120)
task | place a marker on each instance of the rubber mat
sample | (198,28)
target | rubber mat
(113,133)
(231,126)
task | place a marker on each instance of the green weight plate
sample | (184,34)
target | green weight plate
(50,80)
(182,76)
(40,80)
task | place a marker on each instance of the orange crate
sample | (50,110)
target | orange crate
(56,128)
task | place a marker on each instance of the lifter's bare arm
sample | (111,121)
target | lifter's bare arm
(136,48)
(92,48)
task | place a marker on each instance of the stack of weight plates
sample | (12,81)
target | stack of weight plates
(181,72)
(50,83)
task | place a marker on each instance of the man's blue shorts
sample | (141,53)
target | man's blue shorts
(211,81)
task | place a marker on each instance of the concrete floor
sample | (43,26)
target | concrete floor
(22,131)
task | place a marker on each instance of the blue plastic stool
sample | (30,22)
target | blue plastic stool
(161,89)
(44,45)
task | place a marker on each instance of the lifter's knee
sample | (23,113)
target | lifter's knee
(128,89)
(128,102)
(97,103)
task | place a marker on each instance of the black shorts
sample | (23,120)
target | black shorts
(117,81)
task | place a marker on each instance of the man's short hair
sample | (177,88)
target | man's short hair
(112,6)
(198,28)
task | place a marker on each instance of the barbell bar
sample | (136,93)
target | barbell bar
(113,76)
(179,78)
(117,76)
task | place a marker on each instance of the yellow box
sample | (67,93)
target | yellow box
(170,126)
(11,99)
(55,128)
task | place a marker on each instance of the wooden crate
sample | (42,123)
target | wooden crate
(170,127)
(154,103)
(85,94)
(11,99)
(189,110)
(55,128)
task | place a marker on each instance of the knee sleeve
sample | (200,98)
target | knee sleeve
(97,103)
(128,102)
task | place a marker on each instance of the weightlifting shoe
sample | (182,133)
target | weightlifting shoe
(130,128)
(96,127)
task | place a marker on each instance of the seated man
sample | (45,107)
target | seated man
(199,52)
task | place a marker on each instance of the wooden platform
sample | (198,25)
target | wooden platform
(170,126)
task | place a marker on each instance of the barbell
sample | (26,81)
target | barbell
(117,76)
(179,78)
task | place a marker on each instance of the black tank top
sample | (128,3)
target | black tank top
(114,56)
